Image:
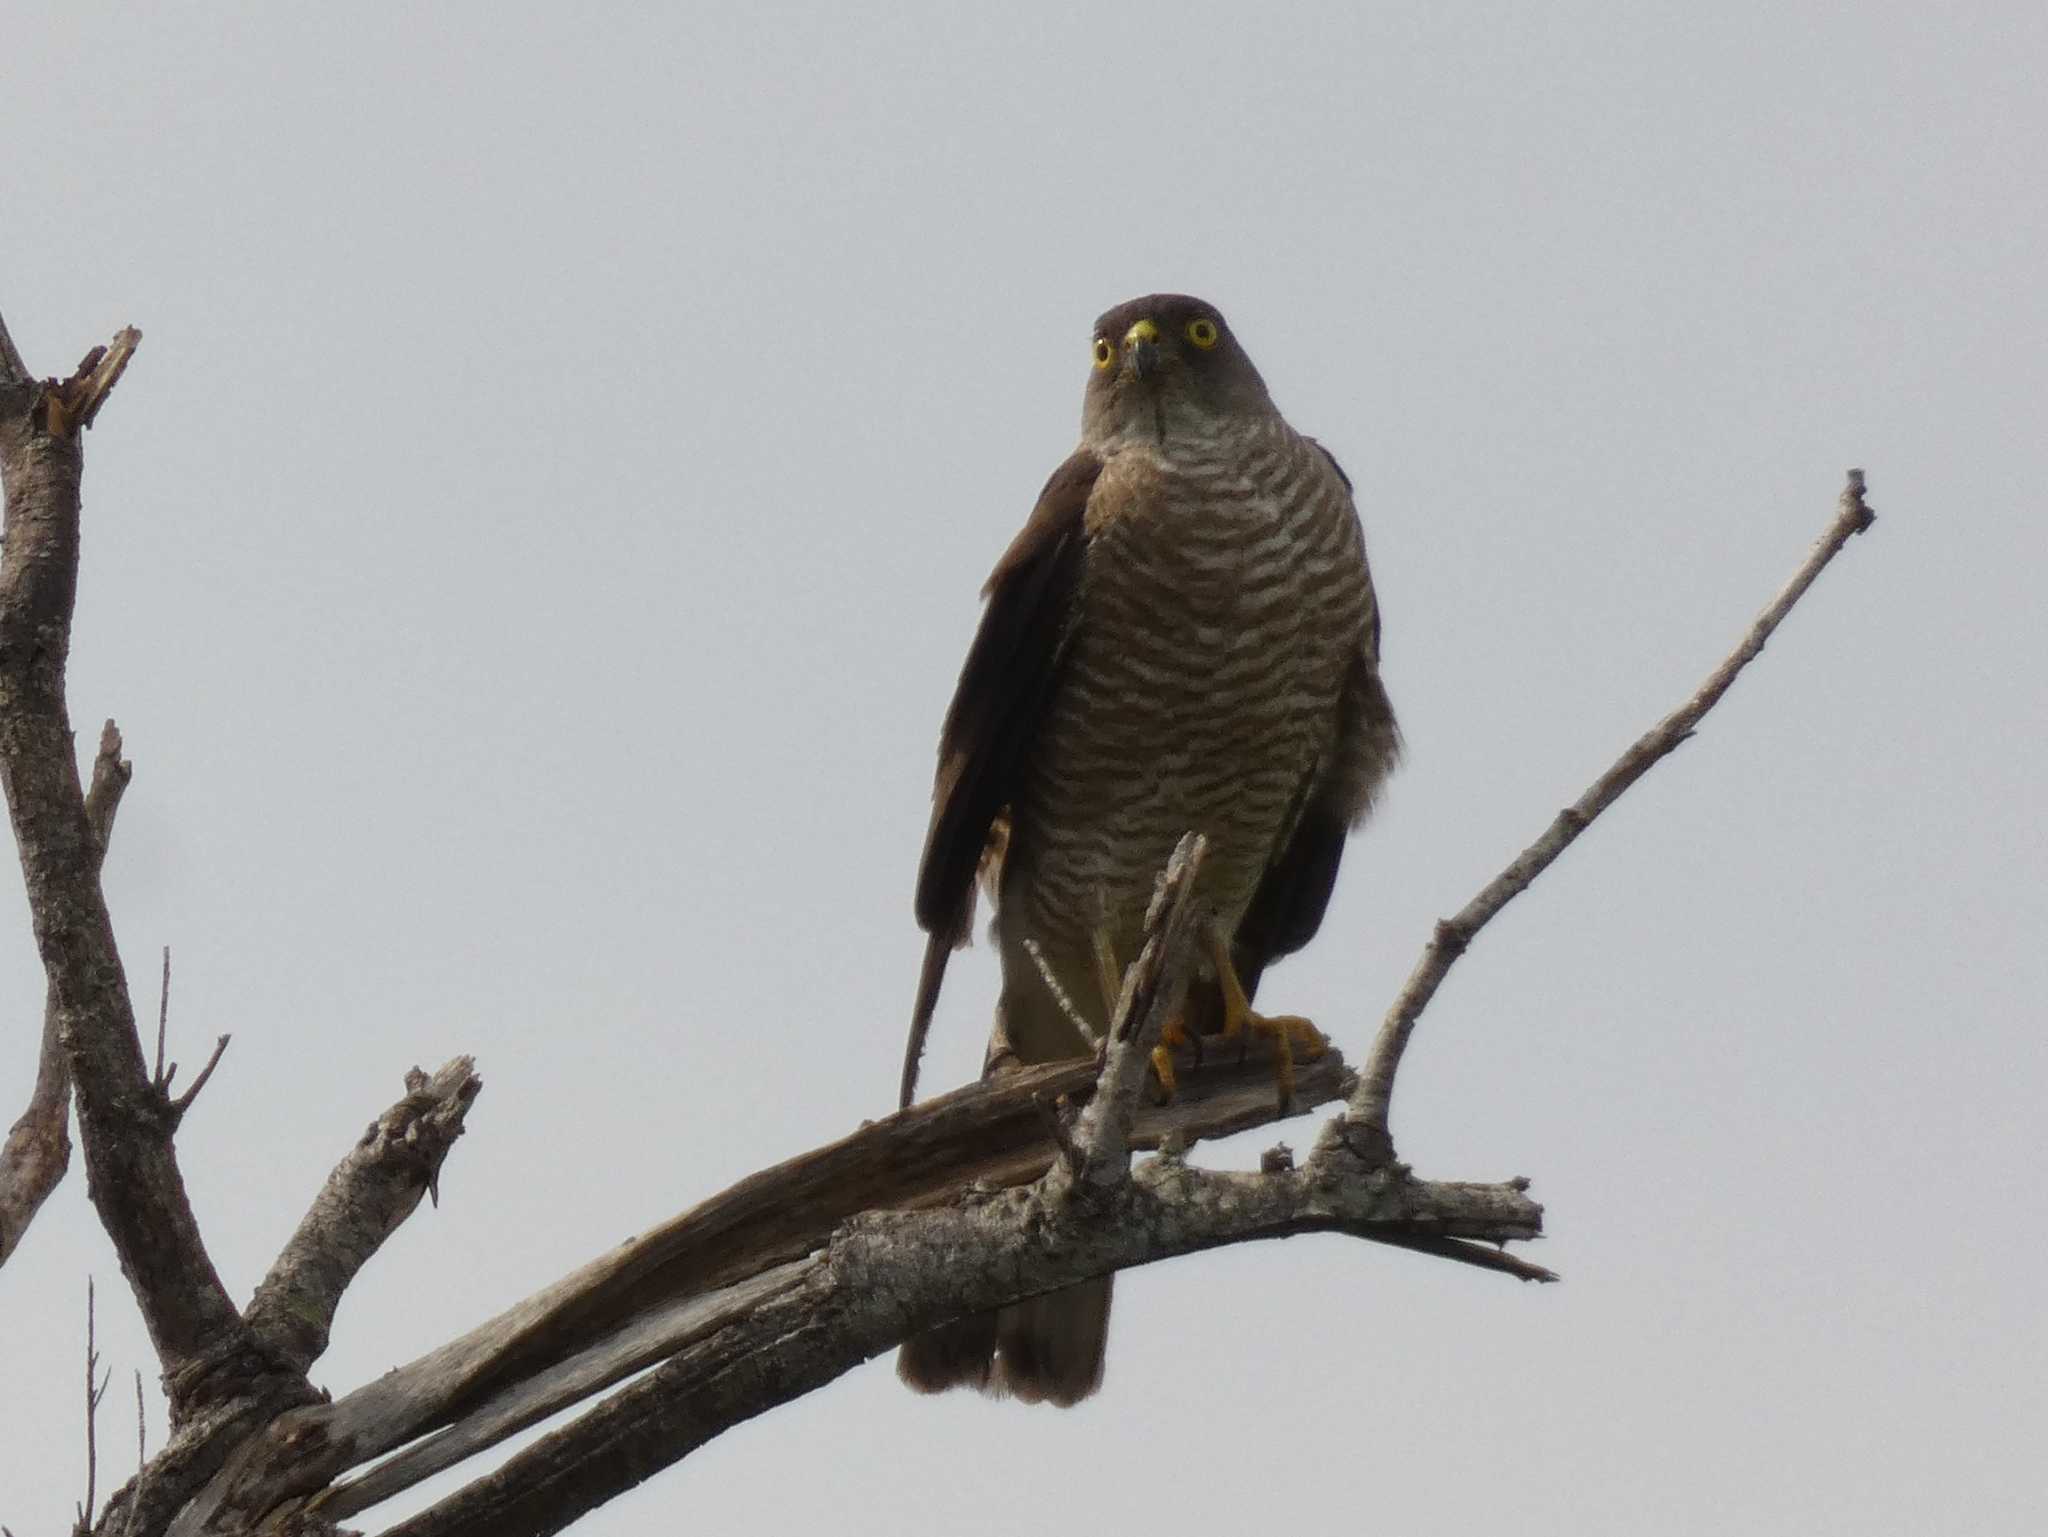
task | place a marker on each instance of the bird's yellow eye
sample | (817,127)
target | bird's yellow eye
(1104,353)
(1203,333)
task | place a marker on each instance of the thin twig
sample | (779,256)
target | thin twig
(141,1484)
(13,371)
(95,1390)
(163,1019)
(1073,1015)
(184,1101)
(1465,1252)
(110,776)
(1367,1130)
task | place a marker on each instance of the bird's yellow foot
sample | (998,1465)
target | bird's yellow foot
(1109,977)
(1292,1035)
(1174,1033)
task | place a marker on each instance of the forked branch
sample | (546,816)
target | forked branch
(134,1179)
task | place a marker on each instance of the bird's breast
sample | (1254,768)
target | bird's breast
(1221,604)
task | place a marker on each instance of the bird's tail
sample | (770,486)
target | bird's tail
(1042,1350)
(937,949)
(1045,1349)
(1049,1349)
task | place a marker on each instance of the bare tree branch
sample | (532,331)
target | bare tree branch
(163,1022)
(371,1191)
(37,1152)
(72,405)
(176,1108)
(1365,1123)
(14,372)
(160,1076)
(992,1134)
(141,1480)
(646,1341)
(623,1312)
(111,774)
(1152,989)
(885,1275)
(95,1391)
(134,1180)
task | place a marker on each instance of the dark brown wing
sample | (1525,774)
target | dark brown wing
(994,719)
(1288,907)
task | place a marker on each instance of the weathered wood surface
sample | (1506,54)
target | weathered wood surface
(994,1135)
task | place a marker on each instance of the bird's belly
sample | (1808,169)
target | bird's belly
(1198,695)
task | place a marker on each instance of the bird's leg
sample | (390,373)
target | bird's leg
(1110,977)
(1239,1017)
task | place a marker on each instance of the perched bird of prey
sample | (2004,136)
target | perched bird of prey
(1183,637)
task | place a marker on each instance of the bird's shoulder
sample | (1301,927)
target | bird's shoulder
(1056,517)
(1329,463)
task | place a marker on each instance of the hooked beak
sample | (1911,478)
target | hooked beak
(1141,346)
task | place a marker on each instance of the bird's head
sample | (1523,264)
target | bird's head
(1165,363)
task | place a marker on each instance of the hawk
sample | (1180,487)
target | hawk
(1183,637)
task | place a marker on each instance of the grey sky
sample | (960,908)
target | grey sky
(533,548)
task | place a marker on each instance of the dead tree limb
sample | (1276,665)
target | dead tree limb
(885,1275)
(371,1191)
(701,1272)
(1365,1120)
(133,1171)
(801,1273)
(37,1152)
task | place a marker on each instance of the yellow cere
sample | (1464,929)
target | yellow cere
(1202,333)
(1143,331)
(1104,353)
